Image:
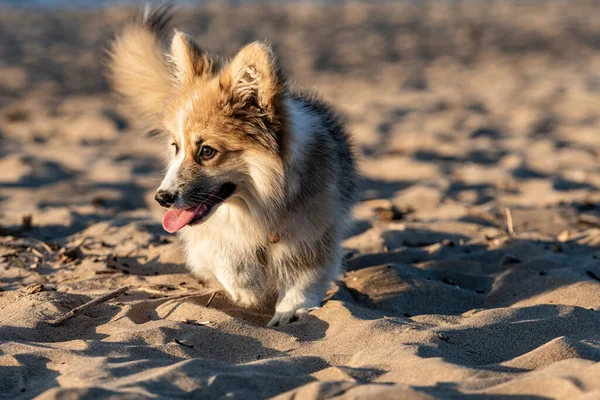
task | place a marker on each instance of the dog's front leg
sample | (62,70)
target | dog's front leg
(245,283)
(300,295)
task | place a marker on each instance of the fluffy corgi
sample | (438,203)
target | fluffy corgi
(262,176)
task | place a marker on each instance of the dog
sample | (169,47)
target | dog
(262,176)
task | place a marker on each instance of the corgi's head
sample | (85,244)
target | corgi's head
(225,124)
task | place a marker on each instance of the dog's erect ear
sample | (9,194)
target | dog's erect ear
(254,79)
(189,59)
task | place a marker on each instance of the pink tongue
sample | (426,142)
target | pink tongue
(174,220)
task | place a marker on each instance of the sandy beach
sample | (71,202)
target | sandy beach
(473,266)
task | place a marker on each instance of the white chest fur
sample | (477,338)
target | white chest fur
(227,238)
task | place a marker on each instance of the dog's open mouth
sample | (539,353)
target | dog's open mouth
(174,220)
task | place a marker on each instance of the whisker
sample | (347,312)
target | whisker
(204,196)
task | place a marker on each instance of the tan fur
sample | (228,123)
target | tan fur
(138,69)
(190,60)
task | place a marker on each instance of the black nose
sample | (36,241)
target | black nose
(164,198)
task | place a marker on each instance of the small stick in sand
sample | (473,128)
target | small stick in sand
(212,296)
(78,310)
(509,221)
(179,342)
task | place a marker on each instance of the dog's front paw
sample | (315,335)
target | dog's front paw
(245,297)
(286,317)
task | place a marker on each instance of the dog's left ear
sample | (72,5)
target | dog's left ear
(189,59)
(254,80)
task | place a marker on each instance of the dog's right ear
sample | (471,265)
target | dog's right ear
(189,59)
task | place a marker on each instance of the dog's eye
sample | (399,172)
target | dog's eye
(176,147)
(207,152)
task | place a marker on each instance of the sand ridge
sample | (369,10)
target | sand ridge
(459,111)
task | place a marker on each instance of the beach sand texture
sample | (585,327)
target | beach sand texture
(472,269)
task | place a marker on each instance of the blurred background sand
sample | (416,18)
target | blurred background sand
(459,109)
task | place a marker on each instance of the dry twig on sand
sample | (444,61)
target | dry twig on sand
(78,310)
(212,296)
(179,342)
(509,221)
(26,252)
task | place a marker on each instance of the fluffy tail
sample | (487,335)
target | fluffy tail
(137,66)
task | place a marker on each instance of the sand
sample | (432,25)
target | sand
(459,110)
